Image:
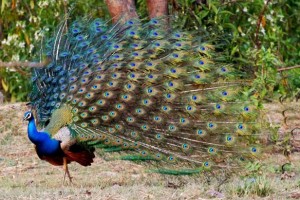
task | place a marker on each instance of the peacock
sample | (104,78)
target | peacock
(146,91)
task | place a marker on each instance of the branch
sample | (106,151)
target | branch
(288,68)
(23,64)
(259,22)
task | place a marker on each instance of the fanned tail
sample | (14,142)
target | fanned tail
(152,94)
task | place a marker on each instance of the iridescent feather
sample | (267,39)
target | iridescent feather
(149,93)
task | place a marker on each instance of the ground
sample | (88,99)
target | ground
(24,176)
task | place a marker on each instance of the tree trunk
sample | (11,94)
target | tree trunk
(1,98)
(157,8)
(122,10)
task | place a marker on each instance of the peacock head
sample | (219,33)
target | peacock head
(28,116)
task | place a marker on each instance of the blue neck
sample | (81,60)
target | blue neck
(33,133)
(44,143)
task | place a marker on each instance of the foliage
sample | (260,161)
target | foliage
(259,186)
(263,35)
(24,24)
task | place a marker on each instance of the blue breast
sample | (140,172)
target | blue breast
(49,147)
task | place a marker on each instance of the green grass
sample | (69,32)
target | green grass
(24,176)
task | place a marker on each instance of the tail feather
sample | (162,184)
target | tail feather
(153,93)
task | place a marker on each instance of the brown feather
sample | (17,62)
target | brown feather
(75,153)
(84,158)
(80,155)
(54,160)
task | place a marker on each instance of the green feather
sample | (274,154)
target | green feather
(149,93)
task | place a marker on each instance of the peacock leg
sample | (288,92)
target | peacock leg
(66,169)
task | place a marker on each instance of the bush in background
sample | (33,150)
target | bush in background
(264,36)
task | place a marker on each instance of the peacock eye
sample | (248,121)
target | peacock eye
(28,115)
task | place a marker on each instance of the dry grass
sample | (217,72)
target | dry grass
(24,176)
